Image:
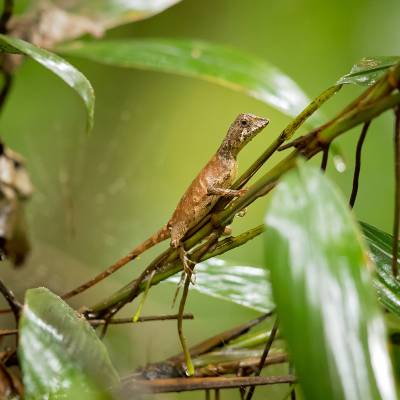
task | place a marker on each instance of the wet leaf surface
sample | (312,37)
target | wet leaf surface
(323,291)
(72,357)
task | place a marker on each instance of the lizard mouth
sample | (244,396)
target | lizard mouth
(261,123)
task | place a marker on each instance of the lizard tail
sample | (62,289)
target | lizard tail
(159,236)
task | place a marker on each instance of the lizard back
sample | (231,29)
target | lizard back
(196,203)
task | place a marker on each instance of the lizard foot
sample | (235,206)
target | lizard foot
(242,213)
(188,264)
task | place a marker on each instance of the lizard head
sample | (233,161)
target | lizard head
(243,129)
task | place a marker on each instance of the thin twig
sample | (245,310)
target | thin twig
(357,166)
(8,332)
(397,193)
(189,271)
(5,90)
(293,386)
(134,288)
(221,338)
(189,384)
(325,156)
(264,356)
(14,304)
(188,359)
(7,76)
(6,15)
(149,318)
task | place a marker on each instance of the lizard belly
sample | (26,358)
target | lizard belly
(196,203)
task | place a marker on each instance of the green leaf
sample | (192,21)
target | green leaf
(216,63)
(59,351)
(68,73)
(244,285)
(368,70)
(111,13)
(387,287)
(322,287)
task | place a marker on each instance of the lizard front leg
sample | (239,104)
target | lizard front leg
(216,191)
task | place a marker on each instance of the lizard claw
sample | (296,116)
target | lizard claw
(242,213)
(188,264)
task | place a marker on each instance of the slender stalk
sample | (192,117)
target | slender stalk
(185,384)
(186,352)
(6,15)
(325,156)
(5,90)
(221,338)
(357,167)
(133,289)
(264,356)
(14,304)
(146,291)
(396,217)
(149,318)
(8,332)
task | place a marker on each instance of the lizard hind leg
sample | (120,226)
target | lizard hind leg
(187,264)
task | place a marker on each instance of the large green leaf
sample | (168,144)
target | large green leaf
(68,73)
(59,351)
(387,287)
(245,285)
(322,287)
(368,70)
(216,63)
(110,13)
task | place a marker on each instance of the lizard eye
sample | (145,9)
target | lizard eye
(243,123)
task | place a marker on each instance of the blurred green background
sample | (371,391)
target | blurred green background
(97,196)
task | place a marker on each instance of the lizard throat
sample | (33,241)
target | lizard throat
(227,151)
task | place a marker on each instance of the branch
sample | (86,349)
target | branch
(171,267)
(14,304)
(190,384)
(357,166)
(6,15)
(8,332)
(396,217)
(221,338)
(264,356)
(149,318)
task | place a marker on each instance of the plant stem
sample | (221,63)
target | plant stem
(186,352)
(147,318)
(264,356)
(357,166)
(185,384)
(325,156)
(6,15)
(132,290)
(396,216)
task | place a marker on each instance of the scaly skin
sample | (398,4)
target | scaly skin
(210,184)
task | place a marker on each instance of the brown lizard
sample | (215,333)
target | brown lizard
(212,182)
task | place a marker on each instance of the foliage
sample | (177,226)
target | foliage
(316,259)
